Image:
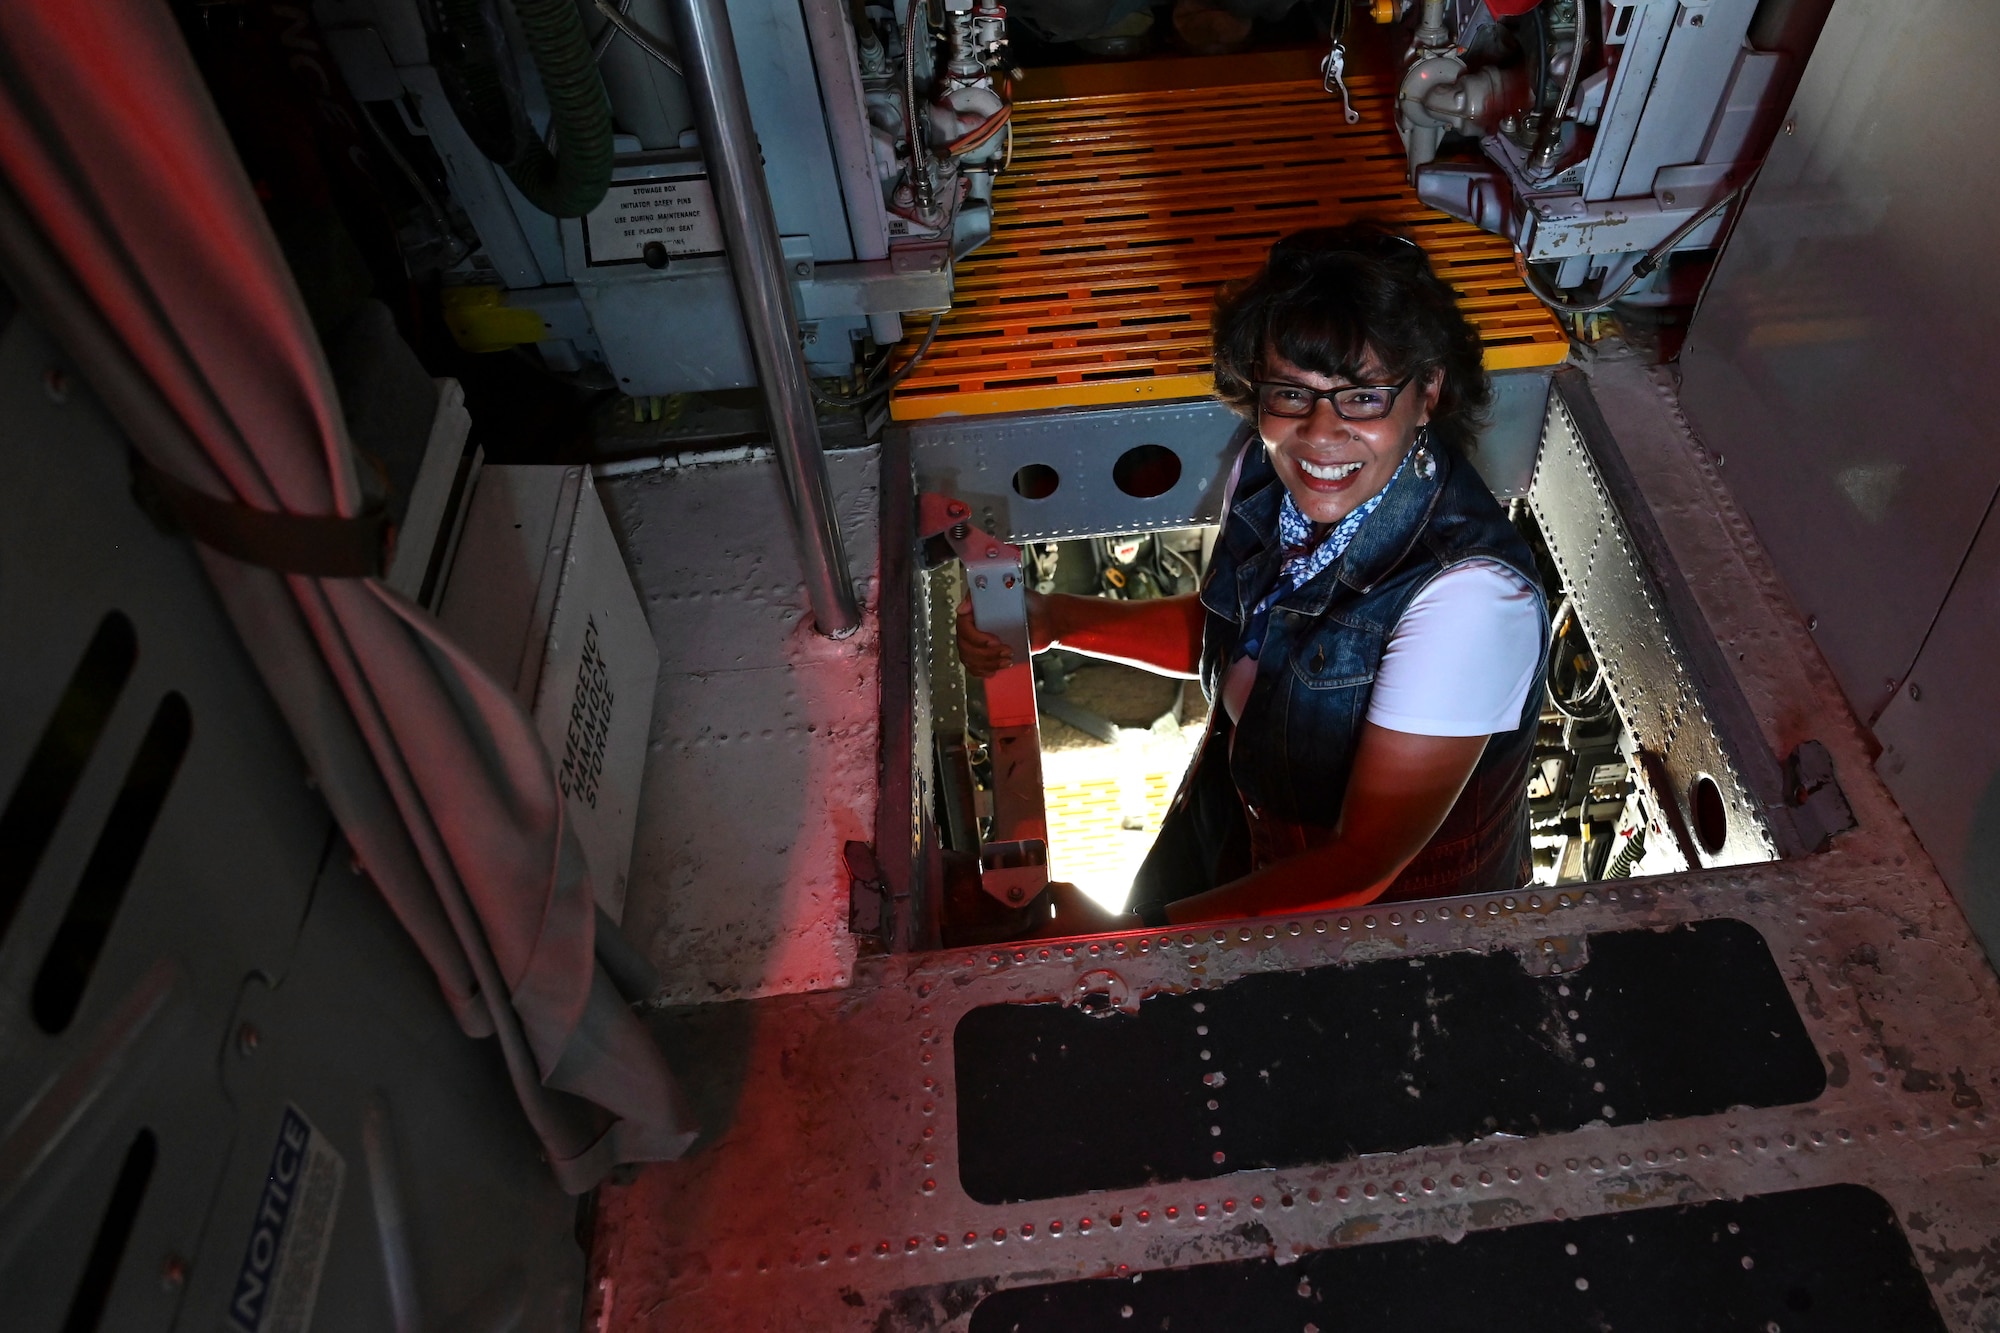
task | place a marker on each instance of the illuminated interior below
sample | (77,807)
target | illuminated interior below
(1106,801)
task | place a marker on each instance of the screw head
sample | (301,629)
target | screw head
(802,268)
(1014,894)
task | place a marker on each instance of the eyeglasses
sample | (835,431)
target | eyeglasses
(1355,402)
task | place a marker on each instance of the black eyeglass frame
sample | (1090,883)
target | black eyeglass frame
(1332,396)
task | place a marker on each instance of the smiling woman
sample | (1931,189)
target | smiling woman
(1370,626)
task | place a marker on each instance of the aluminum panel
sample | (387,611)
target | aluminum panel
(1512,435)
(1638,646)
(1651,23)
(762,762)
(1695,69)
(641,320)
(447,1211)
(1837,1251)
(1941,747)
(648,100)
(215,890)
(777,59)
(831,1202)
(227,979)
(1840,364)
(837,61)
(976,459)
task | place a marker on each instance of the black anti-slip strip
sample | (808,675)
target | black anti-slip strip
(1289,1068)
(1831,1260)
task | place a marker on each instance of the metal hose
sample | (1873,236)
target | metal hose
(1651,260)
(572,180)
(916,121)
(1548,143)
(617,22)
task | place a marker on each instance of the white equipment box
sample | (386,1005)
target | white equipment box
(540,596)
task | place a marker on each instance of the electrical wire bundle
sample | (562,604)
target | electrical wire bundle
(1583,696)
(870,389)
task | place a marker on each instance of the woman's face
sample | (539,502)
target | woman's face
(1330,464)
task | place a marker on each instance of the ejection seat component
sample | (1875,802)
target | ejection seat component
(1014,862)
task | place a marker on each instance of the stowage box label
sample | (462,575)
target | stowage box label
(678,213)
(589,722)
(279,1282)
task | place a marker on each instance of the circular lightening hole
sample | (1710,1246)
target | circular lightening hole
(1147,471)
(1036,481)
(1711,817)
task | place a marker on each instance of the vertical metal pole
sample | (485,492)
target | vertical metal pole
(750,230)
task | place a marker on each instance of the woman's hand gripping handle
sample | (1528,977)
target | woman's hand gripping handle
(983,654)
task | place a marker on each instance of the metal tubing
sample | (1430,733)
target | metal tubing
(1548,142)
(750,231)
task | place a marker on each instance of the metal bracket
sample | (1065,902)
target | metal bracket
(920,257)
(1819,807)
(1014,864)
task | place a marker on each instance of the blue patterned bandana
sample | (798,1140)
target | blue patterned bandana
(1295,534)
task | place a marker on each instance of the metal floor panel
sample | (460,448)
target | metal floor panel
(1830,1259)
(1124,212)
(827,1198)
(1336,1063)
(762,761)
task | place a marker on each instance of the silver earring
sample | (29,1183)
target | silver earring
(1421,457)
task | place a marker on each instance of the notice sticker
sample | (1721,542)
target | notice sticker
(678,213)
(279,1282)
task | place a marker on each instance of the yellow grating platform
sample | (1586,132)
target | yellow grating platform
(1100,829)
(1124,211)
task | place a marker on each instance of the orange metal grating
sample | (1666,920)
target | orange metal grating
(1122,213)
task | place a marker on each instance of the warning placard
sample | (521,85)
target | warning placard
(278,1284)
(679,213)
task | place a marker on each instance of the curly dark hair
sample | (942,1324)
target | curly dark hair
(1327,296)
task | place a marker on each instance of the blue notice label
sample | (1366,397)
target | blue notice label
(276,1287)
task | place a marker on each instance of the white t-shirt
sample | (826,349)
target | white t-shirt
(1462,659)
(1460,662)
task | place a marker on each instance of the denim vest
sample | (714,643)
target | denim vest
(1272,785)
